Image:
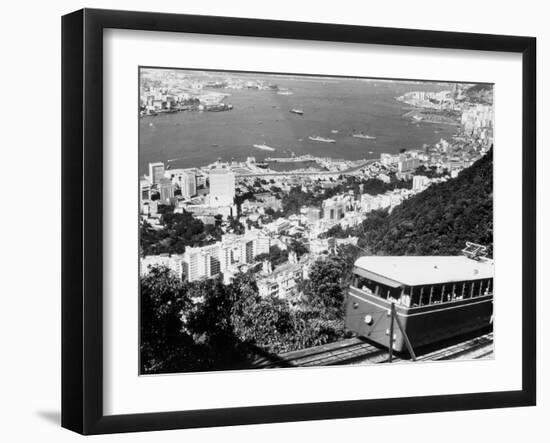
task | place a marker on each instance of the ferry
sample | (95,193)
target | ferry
(334,131)
(364,136)
(318,138)
(412,301)
(297,111)
(264,147)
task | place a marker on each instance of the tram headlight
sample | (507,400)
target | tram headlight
(368,319)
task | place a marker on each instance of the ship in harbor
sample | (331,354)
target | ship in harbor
(318,138)
(297,111)
(364,136)
(264,147)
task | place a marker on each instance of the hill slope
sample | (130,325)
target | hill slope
(440,220)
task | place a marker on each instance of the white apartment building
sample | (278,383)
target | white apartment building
(233,250)
(420,182)
(222,187)
(407,164)
(156,172)
(283,281)
(334,208)
(186,181)
(201,262)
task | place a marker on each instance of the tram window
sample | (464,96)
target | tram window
(407,295)
(489,289)
(365,284)
(475,288)
(416,295)
(448,292)
(467,289)
(393,294)
(486,287)
(437,294)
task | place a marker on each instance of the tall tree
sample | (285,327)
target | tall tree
(164,344)
(327,285)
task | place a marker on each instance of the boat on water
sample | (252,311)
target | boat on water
(334,131)
(364,136)
(285,92)
(264,147)
(297,111)
(318,138)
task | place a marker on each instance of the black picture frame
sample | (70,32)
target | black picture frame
(82,230)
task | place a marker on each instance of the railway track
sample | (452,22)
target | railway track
(359,351)
(476,348)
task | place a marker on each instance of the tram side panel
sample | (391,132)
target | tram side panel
(369,316)
(430,324)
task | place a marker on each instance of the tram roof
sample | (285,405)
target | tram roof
(423,270)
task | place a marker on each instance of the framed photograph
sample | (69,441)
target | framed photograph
(273,221)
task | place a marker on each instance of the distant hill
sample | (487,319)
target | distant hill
(440,220)
(480,93)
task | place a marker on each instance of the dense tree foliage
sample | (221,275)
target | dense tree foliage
(164,346)
(206,325)
(438,221)
(430,172)
(326,286)
(178,231)
(276,256)
(338,232)
(374,186)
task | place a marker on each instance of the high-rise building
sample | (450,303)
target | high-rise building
(166,189)
(222,187)
(240,249)
(334,208)
(313,214)
(233,250)
(144,189)
(406,164)
(189,185)
(156,172)
(201,262)
(186,180)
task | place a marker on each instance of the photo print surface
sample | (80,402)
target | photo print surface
(291,221)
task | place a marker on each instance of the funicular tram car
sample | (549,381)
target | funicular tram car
(434,297)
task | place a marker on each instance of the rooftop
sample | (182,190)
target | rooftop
(415,270)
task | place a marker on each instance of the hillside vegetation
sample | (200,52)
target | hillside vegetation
(438,221)
(480,93)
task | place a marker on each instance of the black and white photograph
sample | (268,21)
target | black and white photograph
(291,221)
